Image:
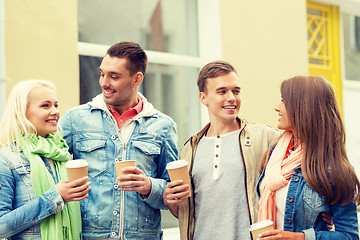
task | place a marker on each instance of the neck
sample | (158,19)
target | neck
(218,129)
(122,109)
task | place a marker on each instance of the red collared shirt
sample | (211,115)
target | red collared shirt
(128,114)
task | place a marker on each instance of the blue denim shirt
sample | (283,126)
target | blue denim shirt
(303,208)
(20,212)
(150,138)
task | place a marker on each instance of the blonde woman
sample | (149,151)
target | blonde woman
(307,172)
(36,200)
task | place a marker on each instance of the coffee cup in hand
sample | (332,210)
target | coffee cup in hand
(260,227)
(119,165)
(178,170)
(76,169)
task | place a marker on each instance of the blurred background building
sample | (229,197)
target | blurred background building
(267,42)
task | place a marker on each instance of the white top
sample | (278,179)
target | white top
(280,201)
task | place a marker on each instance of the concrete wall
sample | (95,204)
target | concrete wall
(40,42)
(266,41)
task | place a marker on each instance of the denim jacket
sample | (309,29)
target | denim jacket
(150,138)
(303,208)
(20,212)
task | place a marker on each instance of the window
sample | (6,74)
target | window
(166,26)
(351,71)
(351,28)
(158,26)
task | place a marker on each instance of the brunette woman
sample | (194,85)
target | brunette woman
(307,172)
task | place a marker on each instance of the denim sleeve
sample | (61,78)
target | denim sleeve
(13,221)
(169,153)
(345,221)
(66,125)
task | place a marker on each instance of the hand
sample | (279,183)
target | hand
(328,219)
(136,180)
(174,194)
(281,235)
(73,191)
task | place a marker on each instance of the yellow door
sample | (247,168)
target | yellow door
(324,44)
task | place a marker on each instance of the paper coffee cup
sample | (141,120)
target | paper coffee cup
(260,227)
(76,169)
(119,165)
(178,170)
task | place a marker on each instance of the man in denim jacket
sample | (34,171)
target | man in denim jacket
(120,124)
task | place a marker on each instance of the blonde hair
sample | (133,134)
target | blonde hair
(14,123)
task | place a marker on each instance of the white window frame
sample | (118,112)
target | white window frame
(209,44)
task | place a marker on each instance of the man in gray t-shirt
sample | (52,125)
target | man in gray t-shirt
(223,160)
(213,178)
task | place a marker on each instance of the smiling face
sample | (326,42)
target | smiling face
(284,121)
(119,87)
(42,110)
(222,97)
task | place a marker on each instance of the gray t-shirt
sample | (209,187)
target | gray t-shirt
(221,210)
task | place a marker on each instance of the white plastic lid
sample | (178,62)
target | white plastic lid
(176,164)
(76,163)
(261,224)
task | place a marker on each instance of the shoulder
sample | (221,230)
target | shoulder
(6,151)
(191,144)
(81,108)
(186,150)
(97,103)
(8,155)
(159,119)
(262,129)
(260,134)
(81,113)
(165,118)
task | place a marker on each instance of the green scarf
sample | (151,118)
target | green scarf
(66,224)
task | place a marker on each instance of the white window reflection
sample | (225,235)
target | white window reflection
(173,91)
(158,25)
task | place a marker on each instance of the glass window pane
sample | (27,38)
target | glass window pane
(165,26)
(171,89)
(351,25)
(89,77)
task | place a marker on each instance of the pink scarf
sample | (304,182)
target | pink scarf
(277,174)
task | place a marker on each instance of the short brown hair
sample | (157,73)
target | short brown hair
(212,70)
(136,56)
